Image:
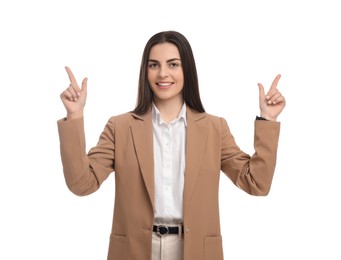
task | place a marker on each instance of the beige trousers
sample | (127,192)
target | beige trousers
(169,247)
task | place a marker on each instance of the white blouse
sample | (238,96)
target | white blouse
(169,166)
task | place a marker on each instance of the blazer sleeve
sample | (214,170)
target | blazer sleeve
(252,174)
(84,173)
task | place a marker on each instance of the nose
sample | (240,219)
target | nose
(163,72)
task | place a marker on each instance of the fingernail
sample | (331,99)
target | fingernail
(78,94)
(269,102)
(267,97)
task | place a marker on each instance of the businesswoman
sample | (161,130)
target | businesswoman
(167,155)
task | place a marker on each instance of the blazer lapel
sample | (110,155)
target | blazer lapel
(195,145)
(142,134)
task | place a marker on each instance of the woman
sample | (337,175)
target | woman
(167,155)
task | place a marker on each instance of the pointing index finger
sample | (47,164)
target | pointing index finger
(275,82)
(70,74)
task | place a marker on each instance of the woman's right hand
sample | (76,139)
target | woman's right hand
(74,97)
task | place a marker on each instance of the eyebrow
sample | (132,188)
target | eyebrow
(170,60)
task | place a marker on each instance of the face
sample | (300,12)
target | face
(165,74)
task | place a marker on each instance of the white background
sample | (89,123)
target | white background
(236,44)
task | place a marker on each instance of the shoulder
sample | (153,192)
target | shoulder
(125,117)
(121,120)
(213,120)
(194,115)
(203,117)
(129,118)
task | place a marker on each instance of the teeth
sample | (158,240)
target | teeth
(164,84)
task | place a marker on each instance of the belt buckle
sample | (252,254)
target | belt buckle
(162,230)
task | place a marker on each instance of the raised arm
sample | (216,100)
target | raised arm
(84,172)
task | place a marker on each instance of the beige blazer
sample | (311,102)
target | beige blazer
(126,148)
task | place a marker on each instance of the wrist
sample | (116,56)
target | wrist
(267,117)
(261,118)
(76,115)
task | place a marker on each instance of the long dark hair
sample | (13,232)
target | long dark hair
(191,86)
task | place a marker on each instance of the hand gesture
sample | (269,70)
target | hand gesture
(74,97)
(272,103)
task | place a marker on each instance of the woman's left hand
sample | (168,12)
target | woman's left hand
(272,103)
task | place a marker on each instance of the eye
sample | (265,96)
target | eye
(174,65)
(153,65)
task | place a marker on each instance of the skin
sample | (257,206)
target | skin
(272,103)
(165,76)
(74,97)
(166,79)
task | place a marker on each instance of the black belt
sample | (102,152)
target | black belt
(165,230)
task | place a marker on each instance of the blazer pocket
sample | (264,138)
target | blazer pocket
(118,248)
(213,249)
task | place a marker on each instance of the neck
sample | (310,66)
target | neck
(169,110)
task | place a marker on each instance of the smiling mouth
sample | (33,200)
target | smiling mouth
(164,84)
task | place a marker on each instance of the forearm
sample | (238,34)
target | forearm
(78,173)
(263,162)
